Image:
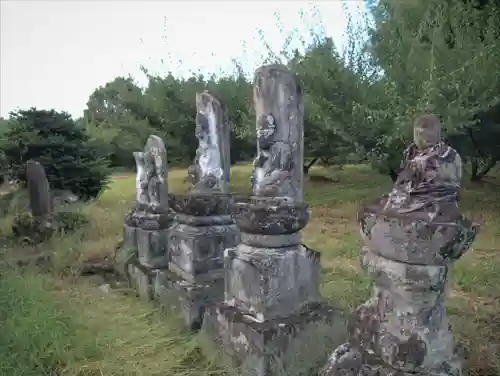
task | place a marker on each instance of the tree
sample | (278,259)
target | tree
(442,57)
(52,138)
(117,119)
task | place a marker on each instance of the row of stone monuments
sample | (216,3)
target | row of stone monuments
(236,266)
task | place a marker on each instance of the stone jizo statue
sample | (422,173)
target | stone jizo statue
(210,170)
(431,171)
(151,179)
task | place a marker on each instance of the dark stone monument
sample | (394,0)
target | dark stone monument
(39,225)
(411,237)
(272,299)
(147,223)
(38,190)
(203,226)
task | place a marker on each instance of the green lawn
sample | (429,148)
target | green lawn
(93,333)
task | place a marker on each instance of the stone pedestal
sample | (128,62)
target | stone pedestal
(142,279)
(202,230)
(272,303)
(403,328)
(146,231)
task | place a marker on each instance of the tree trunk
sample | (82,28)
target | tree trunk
(477,175)
(393,174)
(474,170)
(308,166)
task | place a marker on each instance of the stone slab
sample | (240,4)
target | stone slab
(129,237)
(195,251)
(142,282)
(153,247)
(268,283)
(190,299)
(296,345)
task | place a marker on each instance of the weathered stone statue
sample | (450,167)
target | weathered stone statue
(212,163)
(147,223)
(151,180)
(280,149)
(203,226)
(411,238)
(141,186)
(270,277)
(431,171)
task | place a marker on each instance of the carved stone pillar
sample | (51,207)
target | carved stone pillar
(203,227)
(271,279)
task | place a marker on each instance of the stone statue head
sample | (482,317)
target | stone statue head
(427,131)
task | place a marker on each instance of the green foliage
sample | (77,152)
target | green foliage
(32,230)
(68,221)
(120,116)
(71,160)
(441,57)
(37,335)
(406,59)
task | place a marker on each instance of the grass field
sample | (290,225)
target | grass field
(56,325)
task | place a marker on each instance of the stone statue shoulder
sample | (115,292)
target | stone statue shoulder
(448,164)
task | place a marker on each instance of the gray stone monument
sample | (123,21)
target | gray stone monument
(203,226)
(38,190)
(411,238)
(41,225)
(271,278)
(147,223)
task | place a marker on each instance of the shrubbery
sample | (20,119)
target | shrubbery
(71,161)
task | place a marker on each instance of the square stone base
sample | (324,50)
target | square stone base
(142,282)
(153,247)
(297,345)
(190,299)
(198,250)
(268,283)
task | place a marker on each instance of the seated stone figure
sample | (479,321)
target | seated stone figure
(431,173)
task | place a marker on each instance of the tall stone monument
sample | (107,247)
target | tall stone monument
(203,226)
(147,223)
(411,238)
(271,278)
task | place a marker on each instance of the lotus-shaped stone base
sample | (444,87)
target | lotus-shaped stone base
(269,217)
(149,218)
(201,204)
